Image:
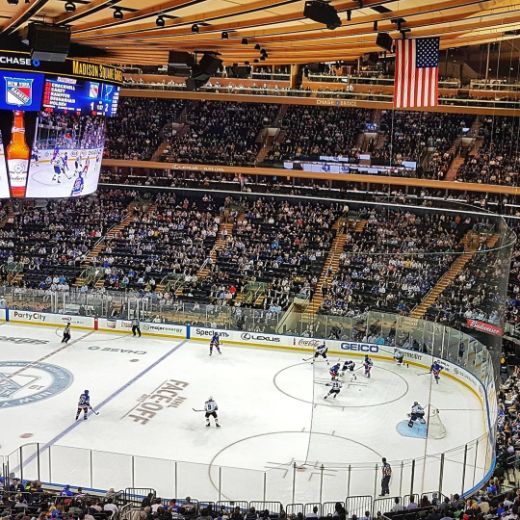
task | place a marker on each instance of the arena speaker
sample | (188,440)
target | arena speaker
(48,42)
(241,71)
(180,63)
(322,12)
(208,65)
(384,40)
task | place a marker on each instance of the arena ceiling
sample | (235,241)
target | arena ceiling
(276,25)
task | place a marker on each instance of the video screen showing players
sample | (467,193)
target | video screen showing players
(66,155)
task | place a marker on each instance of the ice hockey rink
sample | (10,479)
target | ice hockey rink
(277,430)
(43,181)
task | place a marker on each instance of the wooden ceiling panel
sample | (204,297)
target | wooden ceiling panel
(277,25)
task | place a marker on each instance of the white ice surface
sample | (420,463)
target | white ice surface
(269,421)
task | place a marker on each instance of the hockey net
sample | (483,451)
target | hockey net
(436,428)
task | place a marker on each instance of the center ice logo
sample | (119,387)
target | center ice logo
(22,382)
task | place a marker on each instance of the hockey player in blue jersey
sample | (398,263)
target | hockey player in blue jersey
(78,186)
(368,364)
(215,342)
(83,405)
(435,370)
(334,371)
(55,153)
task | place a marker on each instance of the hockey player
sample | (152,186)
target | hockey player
(398,356)
(334,371)
(57,170)
(66,334)
(321,350)
(435,370)
(210,407)
(348,365)
(335,388)
(417,414)
(215,342)
(84,405)
(78,186)
(368,364)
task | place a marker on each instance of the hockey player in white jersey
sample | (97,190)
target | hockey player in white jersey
(211,407)
(398,356)
(349,366)
(321,350)
(335,388)
(417,414)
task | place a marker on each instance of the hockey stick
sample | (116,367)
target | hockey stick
(195,410)
(307,359)
(92,409)
(423,374)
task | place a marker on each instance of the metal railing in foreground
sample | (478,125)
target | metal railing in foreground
(299,491)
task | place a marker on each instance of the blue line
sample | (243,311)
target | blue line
(75,424)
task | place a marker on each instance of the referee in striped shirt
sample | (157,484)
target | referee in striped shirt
(385,481)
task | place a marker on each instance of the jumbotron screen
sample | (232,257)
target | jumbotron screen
(52,132)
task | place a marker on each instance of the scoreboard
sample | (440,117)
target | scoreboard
(31,92)
(80,96)
(80,87)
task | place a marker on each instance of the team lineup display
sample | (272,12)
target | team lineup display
(52,126)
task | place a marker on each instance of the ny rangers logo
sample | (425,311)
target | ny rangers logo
(24,382)
(18,91)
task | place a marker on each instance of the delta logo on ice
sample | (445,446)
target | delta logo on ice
(18,91)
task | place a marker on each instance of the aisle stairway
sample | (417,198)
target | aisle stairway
(331,265)
(471,243)
(92,255)
(455,165)
(14,278)
(225,230)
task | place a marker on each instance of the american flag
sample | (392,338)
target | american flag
(416,73)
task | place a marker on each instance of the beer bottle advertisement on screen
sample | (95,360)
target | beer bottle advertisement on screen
(17,129)
(18,154)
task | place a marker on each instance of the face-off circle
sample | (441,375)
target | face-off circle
(384,386)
